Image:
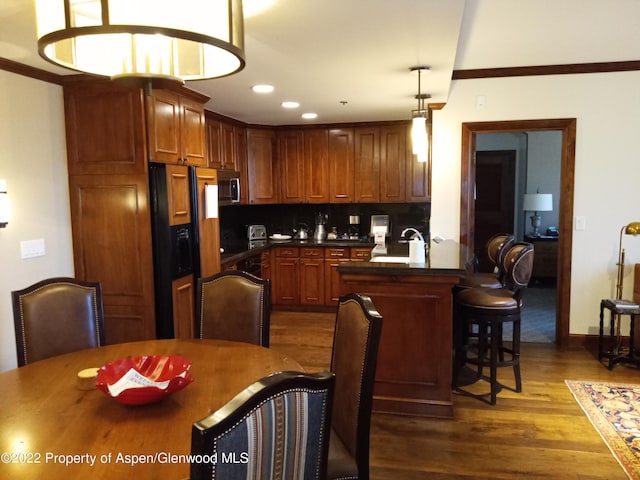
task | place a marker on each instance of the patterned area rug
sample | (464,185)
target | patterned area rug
(614,411)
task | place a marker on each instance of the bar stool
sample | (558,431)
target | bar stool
(497,246)
(487,310)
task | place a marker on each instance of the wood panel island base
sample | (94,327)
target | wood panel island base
(413,374)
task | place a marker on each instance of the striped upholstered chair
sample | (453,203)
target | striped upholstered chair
(277,428)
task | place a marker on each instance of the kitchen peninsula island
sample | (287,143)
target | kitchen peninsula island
(413,374)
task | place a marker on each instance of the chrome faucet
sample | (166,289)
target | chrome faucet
(413,235)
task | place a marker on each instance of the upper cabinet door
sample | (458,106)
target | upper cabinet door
(176,129)
(291,166)
(316,165)
(261,169)
(178,195)
(193,142)
(393,153)
(105,129)
(367,165)
(341,165)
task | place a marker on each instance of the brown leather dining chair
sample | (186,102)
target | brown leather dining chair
(234,306)
(353,360)
(56,316)
(277,428)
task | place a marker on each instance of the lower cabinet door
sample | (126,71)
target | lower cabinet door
(312,281)
(183,307)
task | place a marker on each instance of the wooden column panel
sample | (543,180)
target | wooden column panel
(209,227)
(111,231)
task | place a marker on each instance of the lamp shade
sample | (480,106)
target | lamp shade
(186,40)
(538,202)
(420,138)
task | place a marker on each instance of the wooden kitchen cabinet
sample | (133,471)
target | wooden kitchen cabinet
(342,175)
(261,166)
(176,128)
(312,276)
(265,265)
(286,277)
(111,232)
(393,160)
(333,257)
(367,165)
(178,195)
(291,166)
(316,165)
(96,115)
(209,227)
(183,293)
(240,145)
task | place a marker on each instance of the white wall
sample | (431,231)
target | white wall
(607,108)
(33,162)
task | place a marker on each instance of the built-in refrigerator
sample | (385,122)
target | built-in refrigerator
(185,243)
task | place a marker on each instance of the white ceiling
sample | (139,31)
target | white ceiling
(323,52)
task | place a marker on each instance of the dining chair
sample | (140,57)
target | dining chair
(56,316)
(353,360)
(276,428)
(234,305)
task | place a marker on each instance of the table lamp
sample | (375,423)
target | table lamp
(631,229)
(537,202)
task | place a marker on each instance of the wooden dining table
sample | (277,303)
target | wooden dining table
(50,428)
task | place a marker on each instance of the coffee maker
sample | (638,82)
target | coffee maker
(321,230)
(354,227)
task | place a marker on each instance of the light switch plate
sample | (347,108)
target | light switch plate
(581,222)
(32,248)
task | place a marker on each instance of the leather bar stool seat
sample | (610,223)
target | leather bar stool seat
(485,311)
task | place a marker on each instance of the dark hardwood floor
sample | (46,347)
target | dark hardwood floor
(540,433)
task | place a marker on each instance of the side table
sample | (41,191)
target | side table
(606,344)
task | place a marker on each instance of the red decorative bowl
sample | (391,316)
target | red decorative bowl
(144,379)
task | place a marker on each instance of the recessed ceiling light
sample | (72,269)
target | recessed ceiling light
(290,104)
(262,88)
(309,116)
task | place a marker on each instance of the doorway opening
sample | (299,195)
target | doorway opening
(565,215)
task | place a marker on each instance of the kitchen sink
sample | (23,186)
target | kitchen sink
(389,259)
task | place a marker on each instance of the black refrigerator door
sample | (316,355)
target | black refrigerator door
(173,250)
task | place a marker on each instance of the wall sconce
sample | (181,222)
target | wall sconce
(4,204)
(631,229)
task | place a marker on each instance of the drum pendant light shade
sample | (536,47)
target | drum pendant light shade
(186,40)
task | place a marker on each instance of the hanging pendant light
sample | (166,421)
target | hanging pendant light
(419,135)
(186,40)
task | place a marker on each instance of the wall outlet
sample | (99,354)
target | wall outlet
(32,248)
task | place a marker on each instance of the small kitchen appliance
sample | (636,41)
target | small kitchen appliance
(257,236)
(321,230)
(354,227)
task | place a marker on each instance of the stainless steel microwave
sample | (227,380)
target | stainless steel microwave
(228,187)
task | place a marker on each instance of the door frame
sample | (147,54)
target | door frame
(565,227)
